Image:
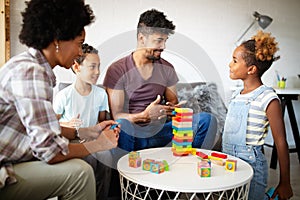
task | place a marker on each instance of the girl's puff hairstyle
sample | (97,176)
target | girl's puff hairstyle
(86,49)
(47,20)
(260,51)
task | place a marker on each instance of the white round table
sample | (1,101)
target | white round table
(182,179)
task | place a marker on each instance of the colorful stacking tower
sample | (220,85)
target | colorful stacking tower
(183,131)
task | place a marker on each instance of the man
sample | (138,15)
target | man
(30,136)
(141,89)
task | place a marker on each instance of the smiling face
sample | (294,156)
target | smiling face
(88,71)
(69,50)
(154,44)
(238,66)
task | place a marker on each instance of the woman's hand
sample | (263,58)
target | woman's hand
(106,140)
(93,132)
(105,124)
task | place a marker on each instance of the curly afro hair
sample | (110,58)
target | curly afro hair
(152,21)
(47,20)
(260,51)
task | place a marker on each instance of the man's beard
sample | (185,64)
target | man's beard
(154,58)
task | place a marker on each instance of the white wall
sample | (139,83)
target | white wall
(206,34)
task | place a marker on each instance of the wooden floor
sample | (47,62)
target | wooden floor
(295,173)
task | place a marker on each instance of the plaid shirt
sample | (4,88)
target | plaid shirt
(28,125)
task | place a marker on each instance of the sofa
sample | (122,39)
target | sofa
(201,97)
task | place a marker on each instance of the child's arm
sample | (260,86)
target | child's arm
(66,130)
(274,114)
(102,116)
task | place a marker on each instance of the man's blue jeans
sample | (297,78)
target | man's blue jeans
(159,134)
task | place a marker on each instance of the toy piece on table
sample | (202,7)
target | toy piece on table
(204,169)
(135,162)
(231,165)
(154,166)
(134,154)
(182,131)
(219,155)
(216,160)
(202,155)
(206,160)
(134,159)
(157,167)
(193,151)
(166,165)
(147,164)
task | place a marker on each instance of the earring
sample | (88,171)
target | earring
(56,48)
(248,72)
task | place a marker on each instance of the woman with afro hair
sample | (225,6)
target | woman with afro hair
(36,159)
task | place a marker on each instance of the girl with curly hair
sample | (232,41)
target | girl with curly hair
(251,111)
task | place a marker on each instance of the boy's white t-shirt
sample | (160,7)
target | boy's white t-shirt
(69,103)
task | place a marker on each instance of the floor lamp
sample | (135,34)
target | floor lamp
(263,21)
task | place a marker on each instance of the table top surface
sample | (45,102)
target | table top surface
(182,175)
(295,91)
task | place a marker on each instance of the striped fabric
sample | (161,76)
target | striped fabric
(28,124)
(257,125)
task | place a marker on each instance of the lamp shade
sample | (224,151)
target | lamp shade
(263,20)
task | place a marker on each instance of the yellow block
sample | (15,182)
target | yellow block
(183,110)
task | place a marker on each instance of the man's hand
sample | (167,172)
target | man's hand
(178,105)
(170,107)
(155,110)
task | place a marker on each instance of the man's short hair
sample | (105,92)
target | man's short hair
(154,21)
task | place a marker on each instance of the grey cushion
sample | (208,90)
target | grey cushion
(201,97)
